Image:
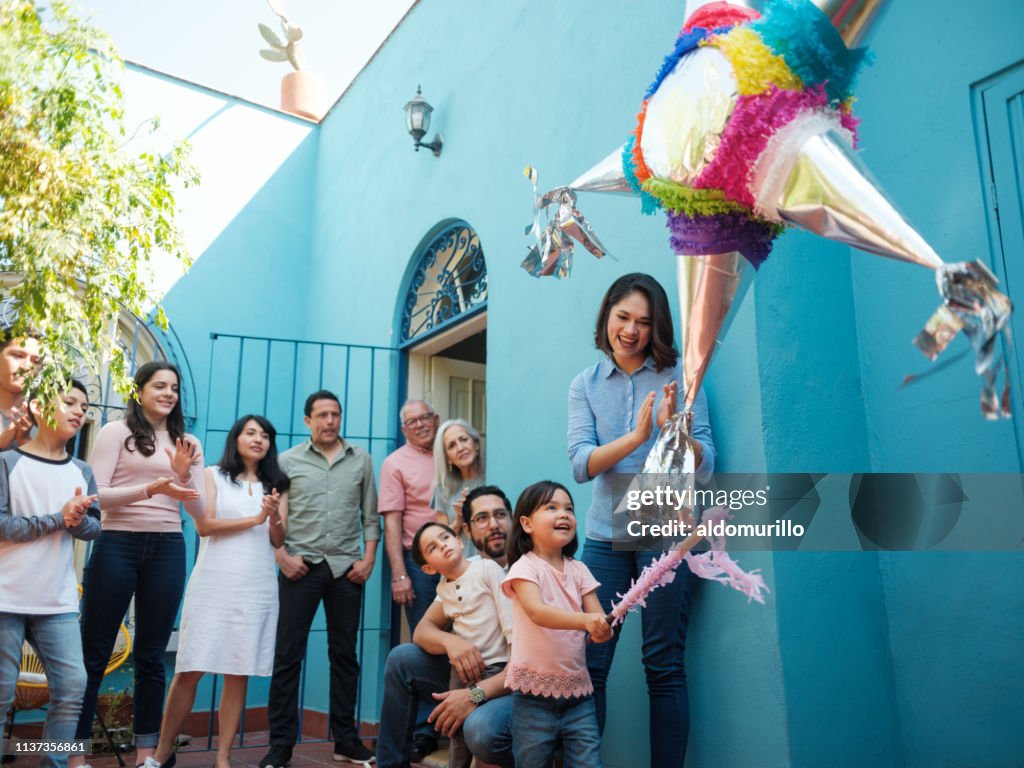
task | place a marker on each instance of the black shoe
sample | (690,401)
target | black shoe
(353,752)
(422,746)
(277,757)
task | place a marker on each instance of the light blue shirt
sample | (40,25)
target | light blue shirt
(603,404)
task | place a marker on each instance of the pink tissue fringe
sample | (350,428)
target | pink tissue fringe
(754,121)
(714,565)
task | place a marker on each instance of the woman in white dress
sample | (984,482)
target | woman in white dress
(229,616)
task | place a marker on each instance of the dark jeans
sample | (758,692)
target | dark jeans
(424,587)
(150,566)
(299,601)
(664,622)
(410,675)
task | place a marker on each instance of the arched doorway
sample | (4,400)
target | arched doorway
(444,324)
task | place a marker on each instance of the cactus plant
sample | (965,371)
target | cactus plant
(286,49)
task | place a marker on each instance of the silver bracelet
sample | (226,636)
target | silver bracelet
(403,577)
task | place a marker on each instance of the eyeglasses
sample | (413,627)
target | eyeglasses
(415,421)
(482,519)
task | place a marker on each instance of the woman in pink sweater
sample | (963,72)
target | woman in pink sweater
(146,467)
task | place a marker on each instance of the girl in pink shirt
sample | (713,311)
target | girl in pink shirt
(555,605)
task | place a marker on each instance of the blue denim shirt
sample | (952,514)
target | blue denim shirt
(603,405)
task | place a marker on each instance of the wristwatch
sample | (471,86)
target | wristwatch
(477,695)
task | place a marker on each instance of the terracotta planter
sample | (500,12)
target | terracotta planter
(304,93)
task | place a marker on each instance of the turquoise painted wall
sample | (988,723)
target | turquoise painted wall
(858,658)
(953,619)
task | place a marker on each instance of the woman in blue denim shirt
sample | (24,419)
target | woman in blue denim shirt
(614,412)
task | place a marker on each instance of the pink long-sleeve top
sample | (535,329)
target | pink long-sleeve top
(122,477)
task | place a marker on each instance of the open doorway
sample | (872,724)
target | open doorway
(450,372)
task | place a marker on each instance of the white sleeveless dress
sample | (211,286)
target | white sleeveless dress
(229,616)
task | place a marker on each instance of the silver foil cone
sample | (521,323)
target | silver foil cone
(825,188)
(606,176)
(855,20)
(709,287)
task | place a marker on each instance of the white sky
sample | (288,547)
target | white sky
(216,42)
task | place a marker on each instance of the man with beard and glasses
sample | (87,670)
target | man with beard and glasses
(422,669)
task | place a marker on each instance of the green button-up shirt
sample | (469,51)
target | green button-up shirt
(328,504)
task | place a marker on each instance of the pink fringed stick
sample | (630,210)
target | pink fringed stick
(714,565)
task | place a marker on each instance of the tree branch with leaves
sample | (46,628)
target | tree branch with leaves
(80,216)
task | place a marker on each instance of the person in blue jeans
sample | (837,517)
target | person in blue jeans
(47,499)
(423,669)
(614,416)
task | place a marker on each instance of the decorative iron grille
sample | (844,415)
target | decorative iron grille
(450,280)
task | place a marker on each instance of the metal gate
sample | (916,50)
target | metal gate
(273,377)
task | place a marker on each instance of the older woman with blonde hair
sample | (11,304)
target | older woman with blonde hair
(458,469)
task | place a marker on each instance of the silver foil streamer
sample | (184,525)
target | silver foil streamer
(672,461)
(551,254)
(673,450)
(971,302)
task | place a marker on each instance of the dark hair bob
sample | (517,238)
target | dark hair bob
(663,344)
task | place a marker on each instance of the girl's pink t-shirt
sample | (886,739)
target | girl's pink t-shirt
(549,662)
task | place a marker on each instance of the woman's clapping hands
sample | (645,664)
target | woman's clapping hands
(167,487)
(185,454)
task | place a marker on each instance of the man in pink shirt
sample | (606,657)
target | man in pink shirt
(406,477)
(406,483)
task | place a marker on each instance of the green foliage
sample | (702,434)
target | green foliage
(80,216)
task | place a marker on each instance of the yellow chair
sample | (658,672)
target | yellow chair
(33,691)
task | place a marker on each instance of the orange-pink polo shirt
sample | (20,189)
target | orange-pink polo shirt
(406,484)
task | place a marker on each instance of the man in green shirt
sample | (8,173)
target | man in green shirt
(332,505)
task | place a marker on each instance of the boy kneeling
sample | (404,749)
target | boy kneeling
(42,507)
